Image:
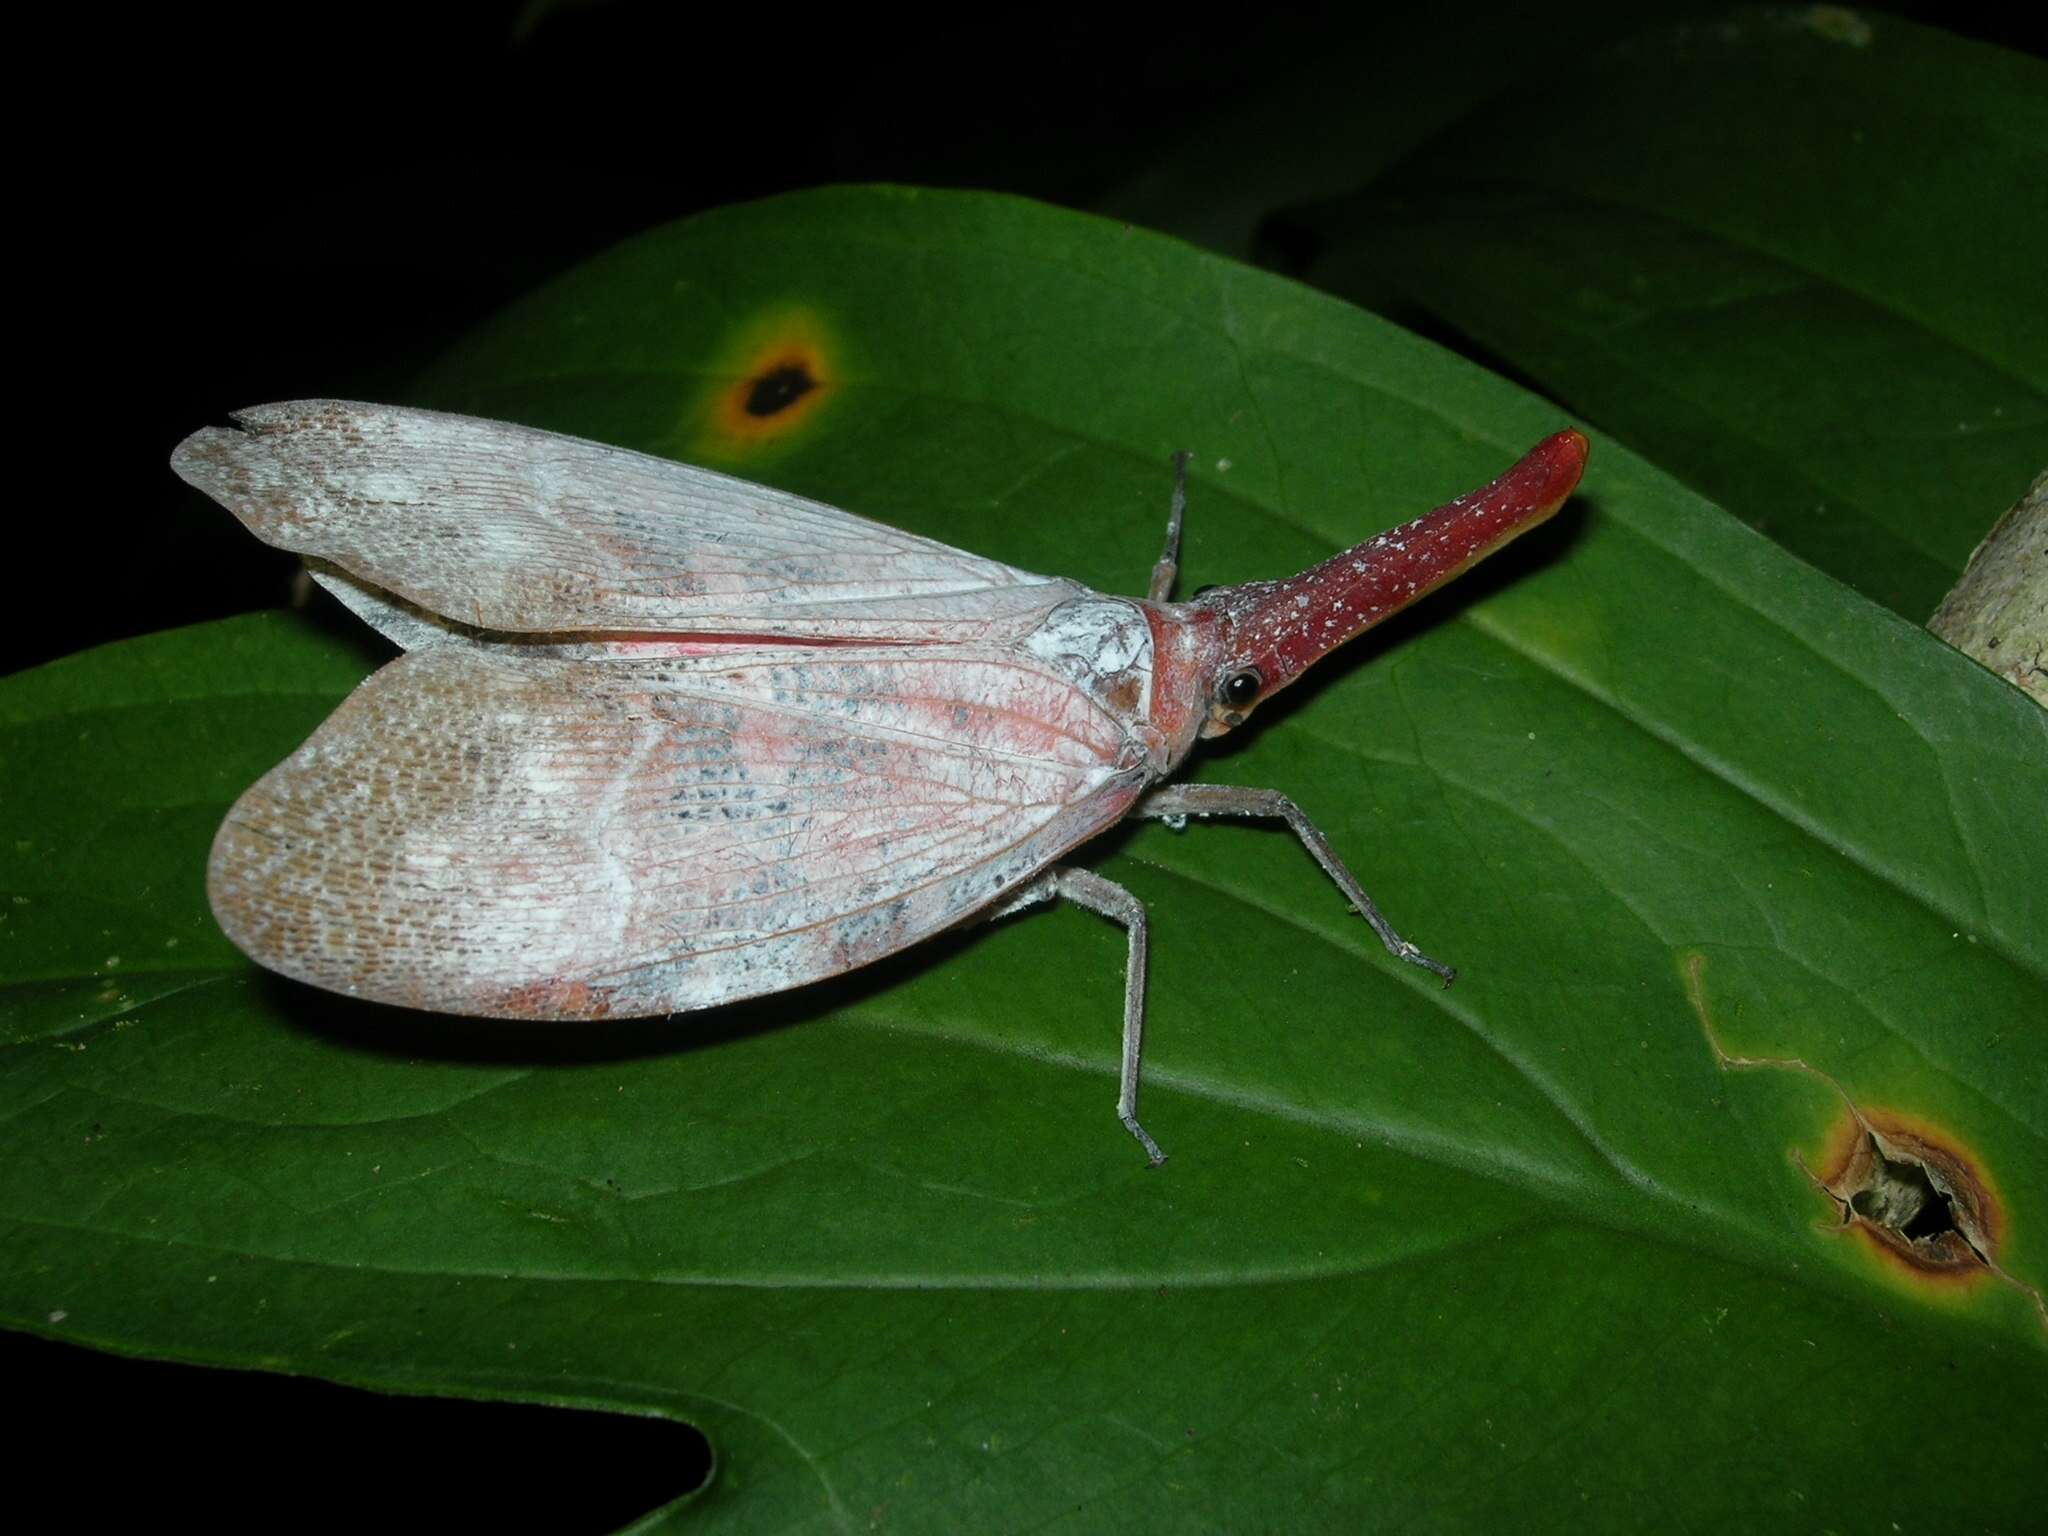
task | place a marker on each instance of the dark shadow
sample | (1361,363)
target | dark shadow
(408,1034)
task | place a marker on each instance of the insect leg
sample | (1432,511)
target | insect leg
(1229,800)
(1087,889)
(1168,564)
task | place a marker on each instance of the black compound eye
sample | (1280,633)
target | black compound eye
(1239,689)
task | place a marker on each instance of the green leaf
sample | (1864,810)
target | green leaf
(1793,256)
(1528,1250)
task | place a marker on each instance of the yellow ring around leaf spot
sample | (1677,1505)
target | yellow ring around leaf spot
(769,382)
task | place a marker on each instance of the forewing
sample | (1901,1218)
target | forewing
(510,529)
(541,835)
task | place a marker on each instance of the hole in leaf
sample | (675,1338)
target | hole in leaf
(1902,1197)
(248,1450)
(1908,1188)
(1936,1217)
(1914,1195)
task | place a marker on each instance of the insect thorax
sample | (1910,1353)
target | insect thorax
(1104,645)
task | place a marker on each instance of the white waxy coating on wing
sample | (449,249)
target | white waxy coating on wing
(510,529)
(548,835)
(1095,637)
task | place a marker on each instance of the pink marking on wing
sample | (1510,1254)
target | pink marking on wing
(545,836)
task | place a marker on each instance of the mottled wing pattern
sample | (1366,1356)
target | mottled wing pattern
(510,529)
(528,831)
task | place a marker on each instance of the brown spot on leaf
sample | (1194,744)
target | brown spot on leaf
(1917,1199)
(775,391)
(773,377)
(1912,1193)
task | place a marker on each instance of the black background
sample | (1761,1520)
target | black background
(313,205)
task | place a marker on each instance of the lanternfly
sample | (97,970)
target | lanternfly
(661,739)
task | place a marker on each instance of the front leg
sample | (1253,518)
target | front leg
(1177,800)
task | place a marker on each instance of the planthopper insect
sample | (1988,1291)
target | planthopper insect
(661,739)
